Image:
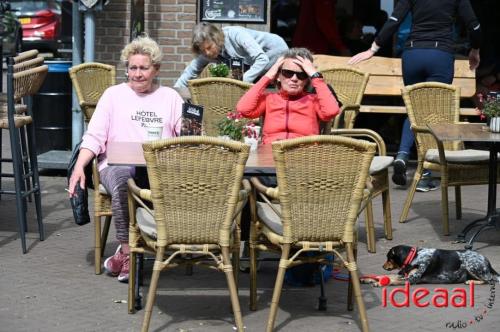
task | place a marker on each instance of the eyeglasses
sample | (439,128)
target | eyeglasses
(289,74)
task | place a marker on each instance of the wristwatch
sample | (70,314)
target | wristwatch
(316,75)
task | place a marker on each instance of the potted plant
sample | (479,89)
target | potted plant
(218,70)
(231,126)
(490,108)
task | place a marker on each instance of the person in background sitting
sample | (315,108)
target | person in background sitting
(122,115)
(292,111)
(257,49)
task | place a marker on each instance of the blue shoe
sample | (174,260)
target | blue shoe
(426,184)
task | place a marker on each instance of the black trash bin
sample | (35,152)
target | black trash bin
(52,109)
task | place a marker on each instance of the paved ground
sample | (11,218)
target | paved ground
(53,287)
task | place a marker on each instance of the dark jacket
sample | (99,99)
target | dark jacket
(432,23)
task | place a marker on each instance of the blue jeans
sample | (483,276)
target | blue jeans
(423,65)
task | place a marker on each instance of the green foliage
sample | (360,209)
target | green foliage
(490,105)
(219,70)
(232,125)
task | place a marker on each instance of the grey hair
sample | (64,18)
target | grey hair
(205,32)
(142,45)
(295,52)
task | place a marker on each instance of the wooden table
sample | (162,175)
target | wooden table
(475,132)
(260,162)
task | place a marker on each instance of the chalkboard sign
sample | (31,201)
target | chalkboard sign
(244,11)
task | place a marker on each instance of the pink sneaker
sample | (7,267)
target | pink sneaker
(123,276)
(113,264)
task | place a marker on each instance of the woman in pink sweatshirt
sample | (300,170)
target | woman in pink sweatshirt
(292,111)
(124,113)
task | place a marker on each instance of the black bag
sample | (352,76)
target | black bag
(79,203)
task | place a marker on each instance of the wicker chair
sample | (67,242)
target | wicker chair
(23,61)
(218,96)
(22,83)
(196,194)
(379,183)
(318,209)
(349,85)
(431,103)
(90,80)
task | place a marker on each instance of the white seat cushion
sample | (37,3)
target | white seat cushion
(146,222)
(380,163)
(461,156)
(269,217)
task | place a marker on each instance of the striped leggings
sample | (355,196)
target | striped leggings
(114,179)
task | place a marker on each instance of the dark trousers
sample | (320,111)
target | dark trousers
(423,65)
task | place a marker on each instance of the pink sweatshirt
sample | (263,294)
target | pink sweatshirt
(122,115)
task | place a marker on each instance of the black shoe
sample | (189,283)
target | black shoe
(399,165)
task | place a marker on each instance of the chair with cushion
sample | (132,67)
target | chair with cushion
(22,83)
(218,96)
(349,85)
(313,209)
(436,103)
(196,195)
(90,80)
(378,183)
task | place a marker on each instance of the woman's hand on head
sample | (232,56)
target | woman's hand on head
(272,73)
(306,64)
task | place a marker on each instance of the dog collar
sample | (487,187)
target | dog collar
(409,258)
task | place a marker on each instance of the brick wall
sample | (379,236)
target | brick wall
(112,33)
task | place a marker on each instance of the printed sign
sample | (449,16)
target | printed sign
(251,11)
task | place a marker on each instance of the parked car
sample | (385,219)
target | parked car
(41,23)
(10,30)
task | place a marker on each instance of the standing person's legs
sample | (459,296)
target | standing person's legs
(419,65)
(114,179)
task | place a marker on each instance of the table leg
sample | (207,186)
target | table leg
(491,219)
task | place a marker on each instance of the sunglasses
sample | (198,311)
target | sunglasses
(289,74)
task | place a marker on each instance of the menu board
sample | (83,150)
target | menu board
(246,11)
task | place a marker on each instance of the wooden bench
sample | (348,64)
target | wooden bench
(386,79)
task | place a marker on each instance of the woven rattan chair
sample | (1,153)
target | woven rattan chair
(317,211)
(218,96)
(196,194)
(90,79)
(349,85)
(433,103)
(22,83)
(378,185)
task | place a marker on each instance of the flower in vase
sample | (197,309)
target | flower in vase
(232,125)
(489,105)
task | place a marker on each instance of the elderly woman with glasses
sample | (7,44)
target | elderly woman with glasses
(123,114)
(292,111)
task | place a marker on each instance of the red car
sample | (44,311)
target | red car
(41,23)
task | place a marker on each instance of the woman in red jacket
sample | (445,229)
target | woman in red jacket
(292,111)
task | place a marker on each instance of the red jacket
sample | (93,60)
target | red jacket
(288,117)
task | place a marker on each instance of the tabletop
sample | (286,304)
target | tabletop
(467,132)
(259,161)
